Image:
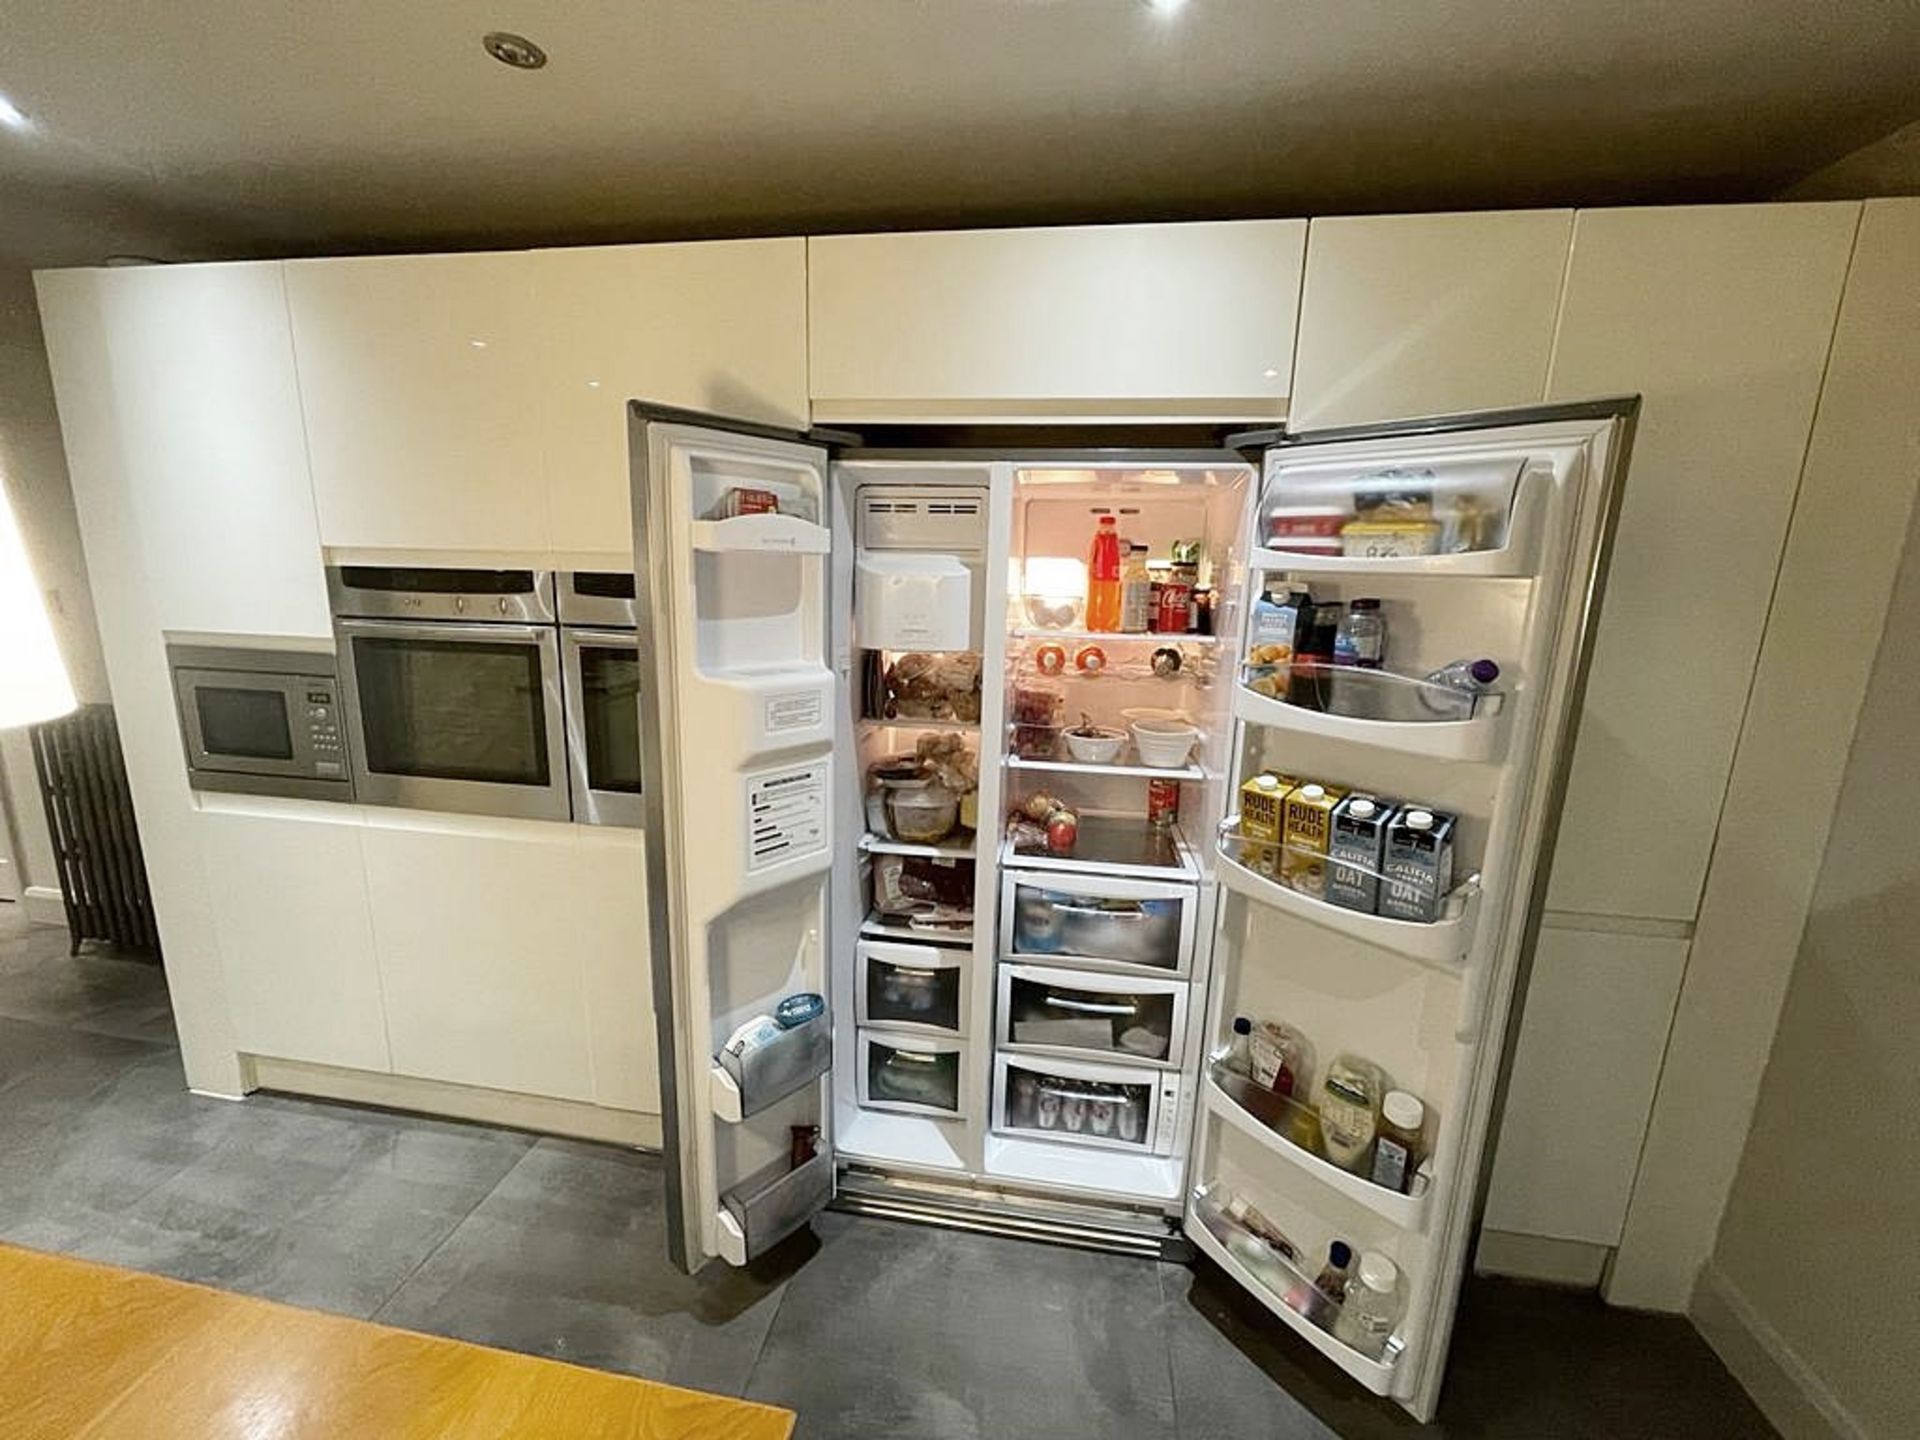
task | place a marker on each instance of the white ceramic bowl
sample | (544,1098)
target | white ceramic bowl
(1101,749)
(1164,744)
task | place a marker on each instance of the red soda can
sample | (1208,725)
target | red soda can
(1163,803)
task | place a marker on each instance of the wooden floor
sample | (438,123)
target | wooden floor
(88,1352)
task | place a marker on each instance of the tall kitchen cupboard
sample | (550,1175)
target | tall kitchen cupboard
(1055,1066)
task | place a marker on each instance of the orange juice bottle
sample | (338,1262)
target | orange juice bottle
(1103,576)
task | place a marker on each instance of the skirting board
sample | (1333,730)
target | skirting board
(1574,1263)
(44,904)
(1795,1400)
(460,1102)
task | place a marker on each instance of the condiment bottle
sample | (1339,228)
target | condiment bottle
(1333,1275)
(1397,1149)
(1237,1059)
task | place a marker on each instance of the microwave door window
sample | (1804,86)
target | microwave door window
(244,724)
(610,691)
(452,710)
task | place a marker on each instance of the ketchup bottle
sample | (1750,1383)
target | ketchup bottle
(1103,577)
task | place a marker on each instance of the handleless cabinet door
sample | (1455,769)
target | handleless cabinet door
(419,378)
(289,898)
(1190,321)
(476,924)
(1405,315)
(1721,318)
(719,327)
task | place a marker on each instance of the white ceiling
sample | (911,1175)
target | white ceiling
(276,126)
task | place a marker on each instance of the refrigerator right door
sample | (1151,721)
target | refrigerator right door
(1404,710)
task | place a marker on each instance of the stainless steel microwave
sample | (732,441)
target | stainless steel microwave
(260,721)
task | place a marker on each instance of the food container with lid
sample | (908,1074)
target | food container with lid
(922,814)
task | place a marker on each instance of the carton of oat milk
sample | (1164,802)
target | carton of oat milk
(1418,863)
(1359,837)
(1306,830)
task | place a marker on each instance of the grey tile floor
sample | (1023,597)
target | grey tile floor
(866,1328)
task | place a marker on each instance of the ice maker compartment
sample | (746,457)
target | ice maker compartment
(772,1203)
(768,1073)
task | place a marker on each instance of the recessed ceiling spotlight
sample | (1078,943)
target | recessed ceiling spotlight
(515,50)
(1165,7)
(12,116)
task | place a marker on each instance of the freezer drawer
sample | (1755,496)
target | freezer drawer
(911,987)
(919,1076)
(1145,926)
(1098,1017)
(1114,1107)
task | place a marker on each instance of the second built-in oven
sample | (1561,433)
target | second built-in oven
(601,659)
(451,680)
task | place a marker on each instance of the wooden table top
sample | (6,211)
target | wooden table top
(90,1352)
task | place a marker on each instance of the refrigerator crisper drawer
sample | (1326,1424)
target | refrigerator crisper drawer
(1061,919)
(912,1074)
(911,987)
(1113,1107)
(1098,1017)
(771,1204)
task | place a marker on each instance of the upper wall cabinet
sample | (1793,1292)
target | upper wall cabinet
(1126,321)
(719,326)
(1720,318)
(419,375)
(1405,315)
(192,393)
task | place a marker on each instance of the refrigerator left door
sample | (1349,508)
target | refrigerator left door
(732,557)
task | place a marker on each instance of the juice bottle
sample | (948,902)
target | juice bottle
(1103,576)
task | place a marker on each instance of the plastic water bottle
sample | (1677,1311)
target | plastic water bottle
(1469,679)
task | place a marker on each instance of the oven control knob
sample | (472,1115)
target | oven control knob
(460,603)
(504,607)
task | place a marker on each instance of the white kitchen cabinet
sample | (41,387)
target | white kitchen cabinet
(1406,315)
(420,379)
(206,415)
(476,927)
(288,889)
(1191,321)
(1584,1071)
(720,327)
(1721,318)
(609,881)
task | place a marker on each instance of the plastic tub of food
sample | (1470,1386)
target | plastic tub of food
(1164,744)
(1095,744)
(922,814)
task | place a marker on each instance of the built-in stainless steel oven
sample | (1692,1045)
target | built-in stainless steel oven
(452,687)
(260,721)
(601,658)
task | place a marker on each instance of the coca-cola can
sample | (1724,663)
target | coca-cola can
(1175,609)
(1163,803)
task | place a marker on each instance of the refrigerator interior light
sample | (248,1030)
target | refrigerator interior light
(33,678)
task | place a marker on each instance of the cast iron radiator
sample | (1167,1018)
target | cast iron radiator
(83,783)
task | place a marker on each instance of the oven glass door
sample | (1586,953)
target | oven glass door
(603,725)
(456,717)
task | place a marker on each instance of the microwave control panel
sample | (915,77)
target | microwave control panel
(323,728)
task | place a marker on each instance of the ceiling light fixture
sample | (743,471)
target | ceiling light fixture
(1165,7)
(12,116)
(515,50)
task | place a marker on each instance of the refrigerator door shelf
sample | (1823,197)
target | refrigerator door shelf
(1443,944)
(1480,739)
(771,1204)
(1271,1279)
(1222,1092)
(774,533)
(746,1084)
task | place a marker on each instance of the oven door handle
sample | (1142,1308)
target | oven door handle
(476,632)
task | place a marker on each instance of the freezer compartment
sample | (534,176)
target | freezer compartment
(1067,919)
(772,1203)
(916,987)
(763,1074)
(1112,1107)
(1077,1012)
(913,1075)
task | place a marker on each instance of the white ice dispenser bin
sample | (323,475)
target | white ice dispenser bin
(913,602)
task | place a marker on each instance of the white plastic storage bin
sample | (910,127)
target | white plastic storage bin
(912,1074)
(1136,926)
(1111,1107)
(1093,1016)
(911,987)
(912,602)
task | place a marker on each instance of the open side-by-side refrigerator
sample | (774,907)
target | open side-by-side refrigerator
(1030,865)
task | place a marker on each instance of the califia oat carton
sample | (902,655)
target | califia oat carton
(1418,863)
(1359,837)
